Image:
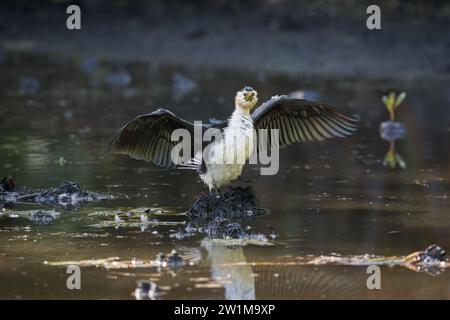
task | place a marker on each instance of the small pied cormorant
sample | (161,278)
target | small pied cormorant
(148,137)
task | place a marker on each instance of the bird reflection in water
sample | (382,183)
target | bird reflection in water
(238,280)
(243,279)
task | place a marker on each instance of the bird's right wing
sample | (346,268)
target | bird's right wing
(148,137)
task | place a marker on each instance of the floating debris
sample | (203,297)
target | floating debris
(180,235)
(134,218)
(172,260)
(138,214)
(272,234)
(146,290)
(130,224)
(431,260)
(41,217)
(84,263)
(67,194)
(254,241)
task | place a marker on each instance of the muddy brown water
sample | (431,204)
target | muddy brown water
(332,197)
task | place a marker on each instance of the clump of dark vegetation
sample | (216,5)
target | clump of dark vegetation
(235,202)
(225,215)
(66,194)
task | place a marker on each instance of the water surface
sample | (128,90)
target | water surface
(331,197)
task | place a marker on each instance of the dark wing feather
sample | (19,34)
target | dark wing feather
(302,120)
(147,137)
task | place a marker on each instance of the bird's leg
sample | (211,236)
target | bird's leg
(212,191)
(219,192)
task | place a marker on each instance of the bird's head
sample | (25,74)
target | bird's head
(246,99)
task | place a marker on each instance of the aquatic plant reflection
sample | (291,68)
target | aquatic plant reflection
(393,130)
(392,159)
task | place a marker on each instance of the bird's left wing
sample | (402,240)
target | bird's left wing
(301,120)
(148,137)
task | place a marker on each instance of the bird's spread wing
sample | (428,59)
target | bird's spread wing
(147,137)
(301,120)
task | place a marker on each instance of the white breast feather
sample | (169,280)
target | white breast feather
(227,157)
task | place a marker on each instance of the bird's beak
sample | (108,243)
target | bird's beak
(249,96)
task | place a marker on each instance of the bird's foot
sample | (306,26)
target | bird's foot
(219,193)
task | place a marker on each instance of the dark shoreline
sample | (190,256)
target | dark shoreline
(306,44)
